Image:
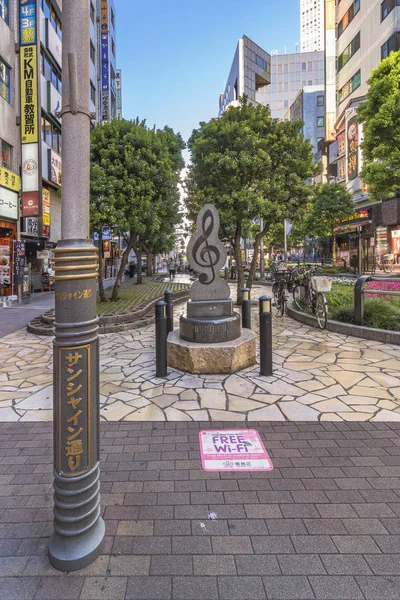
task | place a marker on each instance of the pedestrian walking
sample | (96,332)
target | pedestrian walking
(171,268)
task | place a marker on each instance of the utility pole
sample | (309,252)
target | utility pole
(262,274)
(78,528)
(285,240)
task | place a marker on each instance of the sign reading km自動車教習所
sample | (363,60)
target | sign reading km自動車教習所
(233,450)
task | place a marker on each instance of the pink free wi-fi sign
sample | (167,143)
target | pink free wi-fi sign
(233,450)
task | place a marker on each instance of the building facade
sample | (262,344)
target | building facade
(366,33)
(9,146)
(309,107)
(311,25)
(31,128)
(272,80)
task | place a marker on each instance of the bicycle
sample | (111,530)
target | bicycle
(308,295)
(279,290)
(384,263)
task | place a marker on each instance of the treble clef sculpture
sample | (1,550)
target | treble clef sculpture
(207,256)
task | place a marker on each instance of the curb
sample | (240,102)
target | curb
(367,333)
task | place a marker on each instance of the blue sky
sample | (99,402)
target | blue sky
(175,55)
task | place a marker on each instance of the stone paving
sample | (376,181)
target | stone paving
(322,525)
(317,376)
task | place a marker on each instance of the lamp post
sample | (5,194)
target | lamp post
(265,336)
(78,528)
(262,273)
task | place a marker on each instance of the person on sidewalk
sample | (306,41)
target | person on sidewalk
(171,268)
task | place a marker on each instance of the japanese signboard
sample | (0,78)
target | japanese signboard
(19,262)
(27,22)
(9,179)
(29,95)
(233,450)
(46,206)
(5,260)
(30,204)
(32,226)
(30,167)
(104,16)
(352,149)
(9,206)
(55,167)
(73,398)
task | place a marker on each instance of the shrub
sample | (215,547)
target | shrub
(345,314)
(378,314)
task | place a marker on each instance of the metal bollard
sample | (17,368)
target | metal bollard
(265,336)
(246,309)
(169,300)
(359,299)
(161,339)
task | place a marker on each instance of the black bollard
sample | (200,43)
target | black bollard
(246,309)
(265,336)
(169,300)
(161,339)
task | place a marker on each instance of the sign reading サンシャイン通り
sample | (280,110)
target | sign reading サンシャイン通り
(233,450)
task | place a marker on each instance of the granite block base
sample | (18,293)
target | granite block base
(226,357)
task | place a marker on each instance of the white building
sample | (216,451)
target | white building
(311,25)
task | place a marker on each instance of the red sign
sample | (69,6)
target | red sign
(30,204)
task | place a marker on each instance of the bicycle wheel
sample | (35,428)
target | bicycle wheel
(299,296)
(282,301)
(321,310)
(277,298)
(388,266)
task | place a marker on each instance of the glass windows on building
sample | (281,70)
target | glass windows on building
(50,72)
(5,81)
(92,13)
(92,93)
(5,10)
(5,154)
(391,45)
(387,6)
(349,87)
(92,53)
(261,62)
(320,122)
(51,14)
(348,17)
(348,52)
(51,134)
(320,101)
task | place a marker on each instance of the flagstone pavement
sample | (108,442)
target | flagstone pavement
(317,376)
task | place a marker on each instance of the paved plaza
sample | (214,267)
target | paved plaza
(322,525)
(318,375)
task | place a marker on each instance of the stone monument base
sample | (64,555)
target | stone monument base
(226,357)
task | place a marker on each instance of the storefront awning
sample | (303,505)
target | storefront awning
(352,225)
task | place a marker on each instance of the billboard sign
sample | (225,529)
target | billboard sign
(9,208)
(9,179)
(19,262)
(352,149)
(27,22)
(29,95)
(104,16)
(55,167)
(30,204)
(30,167)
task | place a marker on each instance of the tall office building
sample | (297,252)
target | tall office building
(272,80)
(366,33)
(30,124)
(309,107)
(311,25)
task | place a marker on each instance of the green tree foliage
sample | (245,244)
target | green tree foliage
(331,204)
(250,166)
(134,186)
(381,117)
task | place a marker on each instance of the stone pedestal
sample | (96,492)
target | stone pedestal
(209,322)
(227,357)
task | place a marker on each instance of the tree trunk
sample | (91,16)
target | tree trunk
(138,251)
(256,247)
(102,293)
(239,262)
(124,259)
(334,248)
(149,255)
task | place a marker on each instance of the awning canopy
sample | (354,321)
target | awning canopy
(352,225)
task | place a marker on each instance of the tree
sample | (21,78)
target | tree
(331,204)
(250,166)
(381,116)
(135,174)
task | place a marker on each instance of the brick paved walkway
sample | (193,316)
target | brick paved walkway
(323,525)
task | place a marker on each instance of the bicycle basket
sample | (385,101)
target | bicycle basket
(322,284)
(280,275)
(388,257)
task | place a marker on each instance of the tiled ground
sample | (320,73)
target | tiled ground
(323,525)
(317,376)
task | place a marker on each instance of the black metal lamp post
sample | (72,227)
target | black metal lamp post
(246,309)
(265,336)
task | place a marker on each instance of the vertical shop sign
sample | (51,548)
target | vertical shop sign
(5,261)
(46,207)
(29,99)
(27,22)
(19,262)
(105,84)
(352,149)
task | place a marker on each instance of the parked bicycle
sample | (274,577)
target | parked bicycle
(280,278)
(308,295)
(384,263)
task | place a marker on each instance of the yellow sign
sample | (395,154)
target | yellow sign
(104,16)
(29,95)
(330,14)
(46,218)
(9,179)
